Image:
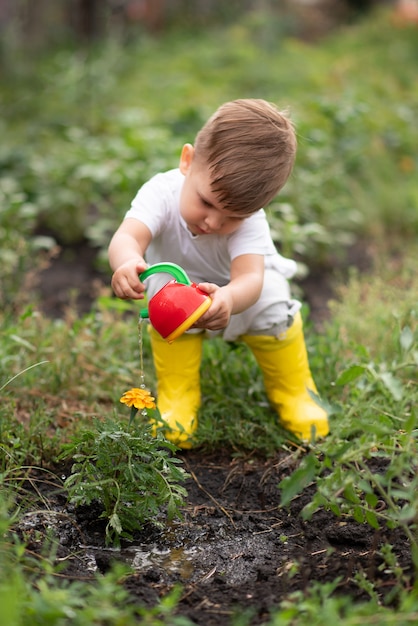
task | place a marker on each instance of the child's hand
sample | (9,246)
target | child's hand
(125,280)
(218,315)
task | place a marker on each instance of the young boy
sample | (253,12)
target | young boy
(207,217)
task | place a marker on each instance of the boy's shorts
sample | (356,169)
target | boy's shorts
(272,314)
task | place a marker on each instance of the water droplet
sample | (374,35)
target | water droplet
(141,355)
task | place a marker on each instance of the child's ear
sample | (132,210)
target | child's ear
(186,158)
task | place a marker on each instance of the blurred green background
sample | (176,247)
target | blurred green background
(98,96)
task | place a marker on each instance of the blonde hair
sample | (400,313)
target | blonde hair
(250,148)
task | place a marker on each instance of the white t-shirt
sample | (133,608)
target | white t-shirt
(205,258)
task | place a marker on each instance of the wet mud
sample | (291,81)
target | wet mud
(235,550)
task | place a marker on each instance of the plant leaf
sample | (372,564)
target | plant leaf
(371,519)
(295,483)
(114,522)
(350,374)
(393,385)
(406,338)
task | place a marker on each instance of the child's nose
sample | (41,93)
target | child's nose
(214,222)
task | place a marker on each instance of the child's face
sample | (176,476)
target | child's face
(198,205)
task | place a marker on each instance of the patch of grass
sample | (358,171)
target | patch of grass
(372,313)
(59,374)
(235,412)
(320,605)
(367,467)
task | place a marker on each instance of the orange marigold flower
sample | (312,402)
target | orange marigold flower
(139,398)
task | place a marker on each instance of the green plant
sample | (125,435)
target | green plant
(20,445)
(375,484)
(128,471)
(320,605)
(21,249)
(368,468)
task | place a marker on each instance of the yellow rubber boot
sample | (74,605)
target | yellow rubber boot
(287,379)
(177,366)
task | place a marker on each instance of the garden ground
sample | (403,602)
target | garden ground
(235,550)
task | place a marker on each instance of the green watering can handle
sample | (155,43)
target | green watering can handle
(168,268)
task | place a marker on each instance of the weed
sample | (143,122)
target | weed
(128,471)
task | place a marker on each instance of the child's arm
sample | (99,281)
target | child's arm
(243,290)
(126,258)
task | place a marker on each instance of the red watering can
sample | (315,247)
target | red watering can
(177,305)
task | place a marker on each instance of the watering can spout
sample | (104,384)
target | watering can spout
(177,305)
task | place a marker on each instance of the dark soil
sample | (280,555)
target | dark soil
(235,550)
(70,278)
